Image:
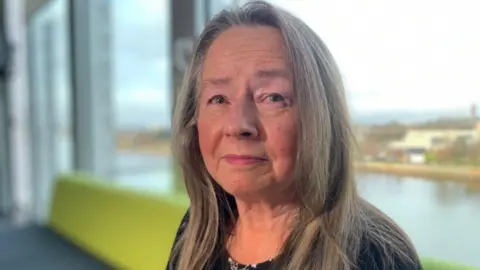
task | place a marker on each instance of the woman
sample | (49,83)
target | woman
(262,134)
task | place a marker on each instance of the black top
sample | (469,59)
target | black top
(370,258)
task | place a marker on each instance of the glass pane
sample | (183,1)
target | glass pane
(411,74)
(62,96)
(5,184)
(142,94)
(50,95)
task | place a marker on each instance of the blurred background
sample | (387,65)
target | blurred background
(88,85)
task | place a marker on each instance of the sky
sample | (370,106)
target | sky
(141,71)
(401,55)
(405,57)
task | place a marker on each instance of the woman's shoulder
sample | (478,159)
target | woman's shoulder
(381,256)
(384,245)
(172,262)
(182,226)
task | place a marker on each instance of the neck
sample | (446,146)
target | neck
(264,223)
(264,216)
(261,230)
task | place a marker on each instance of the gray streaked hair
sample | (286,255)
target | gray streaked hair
(333,218)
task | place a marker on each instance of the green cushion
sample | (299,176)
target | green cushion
(127,229)
(434,264)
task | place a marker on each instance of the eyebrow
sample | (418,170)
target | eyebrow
(217,81)
(272,73)
(260,74)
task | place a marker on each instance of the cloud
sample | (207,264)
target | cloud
(150,98)
(143,95)
(143,108)
(145,13)
(141,63)
(409,55)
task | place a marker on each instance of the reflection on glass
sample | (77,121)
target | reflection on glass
(142,93)
(52,90)
(63,95)
(50,99)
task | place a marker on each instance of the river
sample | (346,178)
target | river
(442,218)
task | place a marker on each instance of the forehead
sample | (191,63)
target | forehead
(245,49)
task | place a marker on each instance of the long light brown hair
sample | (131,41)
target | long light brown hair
(334,220)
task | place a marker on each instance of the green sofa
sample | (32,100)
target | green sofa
(435,264)
(129,230)
(96,226)
(100,226)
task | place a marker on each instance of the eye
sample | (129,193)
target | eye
(217,100)
(275,98)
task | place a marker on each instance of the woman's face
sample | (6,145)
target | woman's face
(247,122)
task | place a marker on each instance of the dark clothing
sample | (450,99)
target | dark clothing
(370,258)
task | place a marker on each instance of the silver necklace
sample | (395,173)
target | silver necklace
(234,265)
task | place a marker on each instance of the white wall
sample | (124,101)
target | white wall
(417,158)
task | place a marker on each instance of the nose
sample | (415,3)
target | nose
(242,121)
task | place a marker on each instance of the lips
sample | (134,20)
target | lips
(244,159)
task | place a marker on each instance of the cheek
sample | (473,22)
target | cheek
(283,142)
(207,139)
(203,136)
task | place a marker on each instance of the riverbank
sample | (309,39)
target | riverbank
(159,148)
(464,174)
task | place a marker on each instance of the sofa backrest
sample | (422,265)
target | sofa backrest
(127,229)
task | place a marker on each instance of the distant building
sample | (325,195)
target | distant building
(421,139)
(473,111)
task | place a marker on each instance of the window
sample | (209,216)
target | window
(142,94)
(50,100)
